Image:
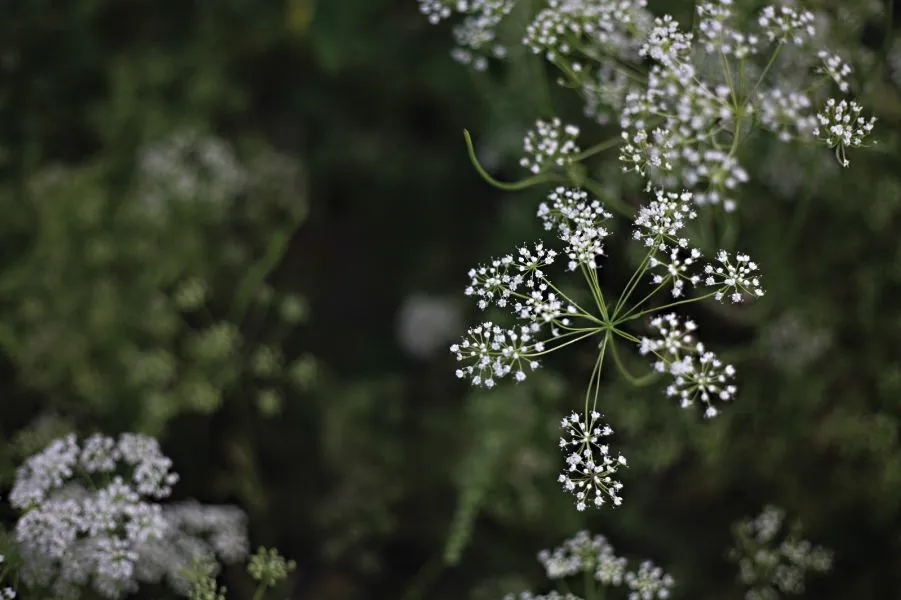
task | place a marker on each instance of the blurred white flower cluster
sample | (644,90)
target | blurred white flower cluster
(190,168)
(91,516)
(426,322)
(686,100)
(476,35)
(593,557)
(770,564)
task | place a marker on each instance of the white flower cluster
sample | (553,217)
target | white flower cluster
(594,556)
(787,114)
(476,35)
(697,373)
(767,564)
(841,126)
(735,280)
(189,167)
(579,223)
(73,533)
(550,144)
(649,582)
(719,36)
(785,23)
(684,118)
(590,464)
(195,533)
(658,226)
(566,26)
(518,283)
(836,68)
(496,352)
(584,553)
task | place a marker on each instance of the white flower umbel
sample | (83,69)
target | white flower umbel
(476,35)
(579,223)
(643,152)
(590,464)
(835,68)
(79,530)
(584,553)
(649,582)
(494,353)
(658,223)
(550,144)
(697,373)
(786,113)
(840,126)
(719,36)
(733,278)
(676,267)
(787,24)
(565,26)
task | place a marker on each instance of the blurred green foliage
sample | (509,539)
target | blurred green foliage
(199,311)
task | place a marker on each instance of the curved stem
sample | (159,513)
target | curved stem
(510,187)
(598,148)
(636,381)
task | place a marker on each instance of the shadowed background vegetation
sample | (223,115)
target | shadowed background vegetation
(215,213)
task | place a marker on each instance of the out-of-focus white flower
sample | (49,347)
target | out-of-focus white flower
(189,167)
(111,532)
(425,323)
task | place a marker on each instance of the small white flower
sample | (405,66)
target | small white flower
(697,373)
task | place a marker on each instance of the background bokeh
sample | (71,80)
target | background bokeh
(244,227)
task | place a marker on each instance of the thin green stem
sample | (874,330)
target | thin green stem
(632,317)
(763,75)
(633,282)
(590,276)
(590,588)
(598,148)
(638,304)
(256,275)
(636,381)
(626,335)
(258,594)
(585,313)
(501,185)
(594,382)
(564,345)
